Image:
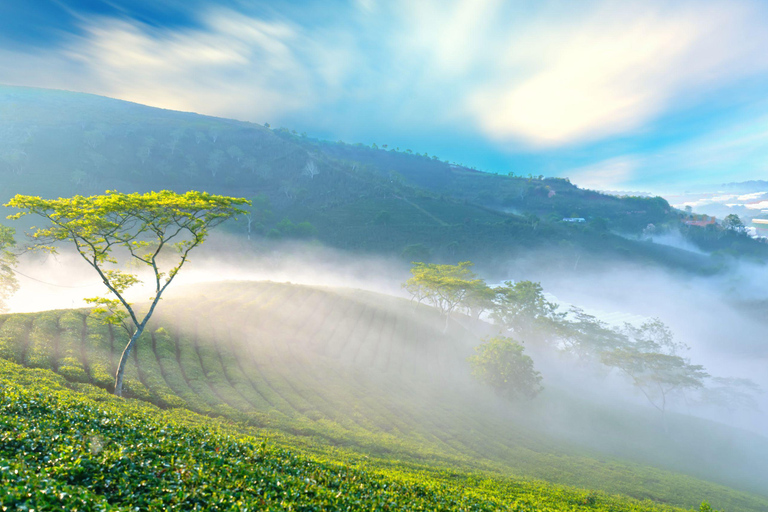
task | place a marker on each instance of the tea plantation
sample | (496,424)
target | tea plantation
(254,396)
(78,448)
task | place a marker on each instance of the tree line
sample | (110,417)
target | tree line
(648,355)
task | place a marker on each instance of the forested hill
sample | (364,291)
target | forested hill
(394,202)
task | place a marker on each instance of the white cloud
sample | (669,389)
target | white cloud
(366,5)
(236,65)
(722,199)
(511,71)
(606,175)
(448,38)
(754,195)
(233,65)
(736,151)
(757,206)
(569,80)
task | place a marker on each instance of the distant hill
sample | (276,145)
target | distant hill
(747,186)
(56,143)
(376,375)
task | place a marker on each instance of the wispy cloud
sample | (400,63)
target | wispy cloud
(532,78)
(614,69)
(737,151)
(367,5)
(449,39)
(232,65)
(609,174)
(235,65)
(750,197)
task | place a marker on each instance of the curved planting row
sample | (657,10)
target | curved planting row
(336,368)
(347,367)
(322,363)
(65,450)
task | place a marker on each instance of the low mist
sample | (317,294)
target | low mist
(63,280)
(718,316)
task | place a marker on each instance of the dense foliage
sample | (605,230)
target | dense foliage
(501,363)
(445,287)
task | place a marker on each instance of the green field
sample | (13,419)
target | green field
(347,377)
(83,449)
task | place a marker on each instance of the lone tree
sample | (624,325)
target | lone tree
(310,170)
(501,363)
(651,360)
(443,286)
(143,228)
(734,223)
(586,336)
(656,375)
(522,308)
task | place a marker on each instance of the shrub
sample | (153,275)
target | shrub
(501,363)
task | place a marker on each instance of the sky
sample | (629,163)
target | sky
(649,95)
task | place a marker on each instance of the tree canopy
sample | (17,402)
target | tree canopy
(651,359)
(443,286)
(522,308)
(501,363)
(656,375)
(733,222)
(142,228)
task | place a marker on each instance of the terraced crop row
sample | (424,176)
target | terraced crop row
(330,368)
(86,450)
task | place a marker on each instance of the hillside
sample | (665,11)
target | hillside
(359,376)
(89,455)
(55,143)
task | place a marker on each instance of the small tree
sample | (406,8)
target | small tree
(8,284)
(310,170)
(145,227)
(730,393)
(479,299)
(656,375)
(443,286)
(258,213)
(522,308)
(235,153)
(501,363)
(587,337)
(733,222)
(654,336)
(651,359)
(215,160)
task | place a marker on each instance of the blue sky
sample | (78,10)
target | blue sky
(626,95)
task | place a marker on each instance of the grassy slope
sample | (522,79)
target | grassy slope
(65,450)
(370,375)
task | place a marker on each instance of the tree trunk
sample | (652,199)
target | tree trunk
(123,360)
